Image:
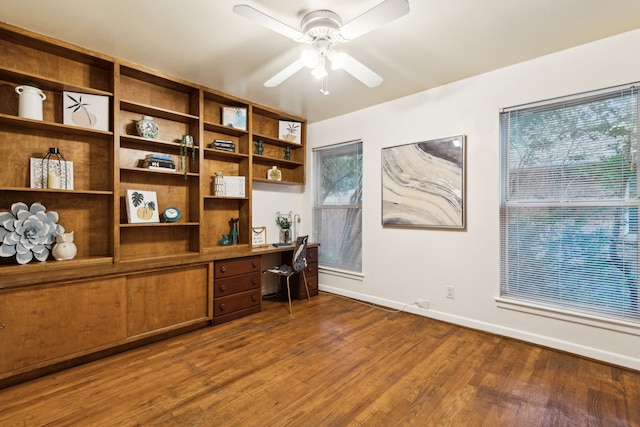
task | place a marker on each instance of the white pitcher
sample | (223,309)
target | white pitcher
(30,104)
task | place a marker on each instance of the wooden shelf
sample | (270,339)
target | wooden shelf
(43,83)
(270,181)
(161,224)
(30,124)
(224,198)
(156,112)
(154,171)
(53,265)
(276,141)
(212,153)
(265,160)
(214,127)
(59,191)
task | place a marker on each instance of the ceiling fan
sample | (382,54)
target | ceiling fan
(322,30)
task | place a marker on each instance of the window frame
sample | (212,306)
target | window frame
(537,306)
(321,154)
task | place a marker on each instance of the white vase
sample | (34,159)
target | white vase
(146,127)
(30,102)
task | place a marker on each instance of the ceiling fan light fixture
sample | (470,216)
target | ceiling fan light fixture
(337,59)
(324,89)
(309,57)
(319,72)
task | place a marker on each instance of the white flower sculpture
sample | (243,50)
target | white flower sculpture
(28,232)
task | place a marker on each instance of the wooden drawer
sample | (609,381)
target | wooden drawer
(235,266)
(297,285)
(311,269)
(312,255)
(235,284)
(235,302)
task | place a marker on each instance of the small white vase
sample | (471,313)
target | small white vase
(64,249)
(30,102)
(146,127)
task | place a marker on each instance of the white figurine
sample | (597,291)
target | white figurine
(64,248)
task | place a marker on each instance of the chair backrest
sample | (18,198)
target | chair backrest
(300,254)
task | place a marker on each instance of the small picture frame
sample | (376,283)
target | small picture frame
(85,110)
(233,186)
(142,206)
(234,117)
(37,165)
(290,131)
(259,237)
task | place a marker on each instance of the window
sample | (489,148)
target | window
(569,204)
(338,205)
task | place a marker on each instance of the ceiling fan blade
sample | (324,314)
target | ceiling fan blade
(266,21)
(387,11)
(361,72)
(283,75)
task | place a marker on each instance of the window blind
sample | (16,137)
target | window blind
(569,203)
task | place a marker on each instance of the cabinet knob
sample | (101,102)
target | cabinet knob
(223,268)
(2,325)
(222,307)
(223,288)
(254,264)
(254,281)
(117,303)
(254,298)
(130,300)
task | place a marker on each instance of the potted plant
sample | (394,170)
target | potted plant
(284,223)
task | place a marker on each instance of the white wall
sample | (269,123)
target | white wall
(403,265)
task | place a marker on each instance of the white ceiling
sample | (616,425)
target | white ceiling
(438,42)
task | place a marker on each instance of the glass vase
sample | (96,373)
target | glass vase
(285,235)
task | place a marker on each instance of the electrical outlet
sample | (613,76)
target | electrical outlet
(450,290)
(423,303)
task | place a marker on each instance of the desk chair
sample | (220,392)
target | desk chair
(298,264)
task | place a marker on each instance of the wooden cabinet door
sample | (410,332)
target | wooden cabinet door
(161,299)
(39,325)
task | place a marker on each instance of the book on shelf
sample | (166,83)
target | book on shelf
(160,169)
(156,156)
(159,163)
(223,144)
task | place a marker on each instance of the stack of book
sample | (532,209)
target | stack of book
(223,144)
(160,162)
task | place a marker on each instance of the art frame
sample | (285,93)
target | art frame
(259,237)
(234,117)
(85,110)
(289,131)
(142,206)
(424,184)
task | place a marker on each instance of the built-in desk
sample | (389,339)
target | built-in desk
(238,281)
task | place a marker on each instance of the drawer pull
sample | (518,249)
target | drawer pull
(117,303)
(254,264)
(254,281)
(130,300)
(223,288)
(2,325)
(222,307)
(254,298)
(223,268)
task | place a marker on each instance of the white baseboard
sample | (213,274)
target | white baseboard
(569,347)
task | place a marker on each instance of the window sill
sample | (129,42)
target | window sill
(569,316)
(341,273)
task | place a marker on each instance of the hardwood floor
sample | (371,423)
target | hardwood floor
(336,362)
